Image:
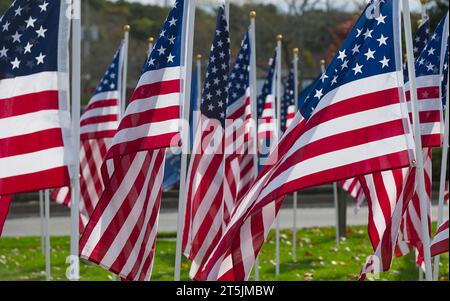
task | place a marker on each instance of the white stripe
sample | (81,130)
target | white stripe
(22,85)
(154,102)
(155,76)
(32,162)
(34,122)
(103,111)
(97,127)
(104,96)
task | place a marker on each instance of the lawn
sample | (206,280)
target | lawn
(318,258)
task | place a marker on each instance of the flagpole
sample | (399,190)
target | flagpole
(41,214)
(335,189)
(227,11)
(443,176)
(150,41)
(126,38)
(76,97)
(47,234)
(294,201)
(278,100)
(423,10)
(418,142)
(187,49)
(199,88)
(253,102)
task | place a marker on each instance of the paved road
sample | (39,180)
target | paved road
(306,217)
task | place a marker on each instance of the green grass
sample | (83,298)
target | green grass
(317,258)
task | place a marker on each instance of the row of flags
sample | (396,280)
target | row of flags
(353,125)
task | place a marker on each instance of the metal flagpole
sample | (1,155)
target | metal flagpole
(188,38)
(47,234)
(335,189)
(294,201)
(418,142)
(76,97)
(126,38)
(253,102)
(278,112)
(443,176)
(423,10)
(41,215)
(150,41)
(227,11)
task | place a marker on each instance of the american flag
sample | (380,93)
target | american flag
(121,233)
(420,40)
(355,190)
(204,199)
(98,124)
(446,192)
(239,160)
(267,125)
(440,242)
(444,79)
(288,101)
(354,124)
(428,81)
(5,202)
(35,128)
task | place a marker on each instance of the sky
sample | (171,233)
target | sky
(346,4)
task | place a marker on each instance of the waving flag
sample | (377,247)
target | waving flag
(239,162)
(204,200)
(98,124)
(121,233)
(267,126)
(440,242)
(35,128)
(355,190)
(288,101)
(428,81)
(355,123)
(420,40)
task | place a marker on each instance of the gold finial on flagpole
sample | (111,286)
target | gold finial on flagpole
(126,28)
(296,50)
(322,62)
(199,56)
(279,37)
(151,40)
(423,2)
(252,14)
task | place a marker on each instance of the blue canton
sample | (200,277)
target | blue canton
(215,88)
(268,86)
(368,51)
(29,38)
(288,98)
(110,80)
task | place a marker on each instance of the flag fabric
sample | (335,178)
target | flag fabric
(5,202)
(239,160)
(428,81)
(420,40)
(287,111)
(355,123)
(267,125)
(440,242)
(204,216)
(444,77)
(411,225)
(446,192)
(98,124)
(354,189)
(121,233)
(35,129)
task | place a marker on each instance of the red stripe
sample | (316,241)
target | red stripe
(30,143)
(155,89)
(29,103)
(46,179)
(101,104)
(99,119)
(433,92)
(149,116)
(98,135)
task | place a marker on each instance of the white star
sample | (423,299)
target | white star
(430,67)
(18,11)
(163,32)
(172,40)
(421,61)
(40,58)
(318,94)
(16,37)
(161,50)
(43,6)
(380,19)
(41,32)
(210,107)
(6,26)
(15,64)
(357,69)
(369,54)
(170,58)
(367,34)
(355,49)
(382,40)
(3,51)
(359,31)
(28,48)
(334,80)
(30,22)
(434,36)
(342,55)
(323,77)
(344,65)
(112,86)
(173,22)
(151,62)
(431,51)
(384,62)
